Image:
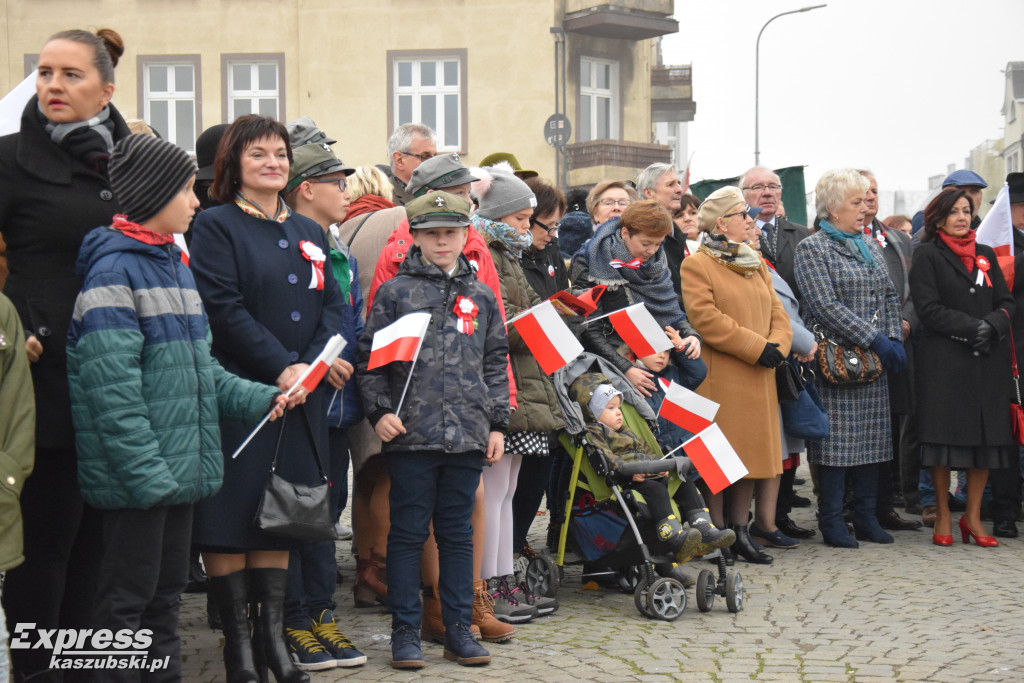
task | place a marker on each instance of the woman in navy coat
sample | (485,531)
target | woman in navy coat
(272,307)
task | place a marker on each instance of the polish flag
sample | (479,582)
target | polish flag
(641,332)
(317,370)
(399,341)
(715,459)
(179,240)
(686,408)
(996,230)
(550,340)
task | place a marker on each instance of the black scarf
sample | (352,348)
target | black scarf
(92,140)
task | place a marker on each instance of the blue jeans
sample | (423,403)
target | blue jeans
(312,578)
(425,486)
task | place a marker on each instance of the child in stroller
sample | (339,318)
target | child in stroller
(606,431)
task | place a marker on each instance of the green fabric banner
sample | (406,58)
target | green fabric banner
(793,192)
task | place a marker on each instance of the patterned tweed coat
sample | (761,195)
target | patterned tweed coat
(851,302)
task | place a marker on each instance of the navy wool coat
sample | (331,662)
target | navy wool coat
(850,302)
(254,282)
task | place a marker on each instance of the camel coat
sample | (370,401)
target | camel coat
(736,316)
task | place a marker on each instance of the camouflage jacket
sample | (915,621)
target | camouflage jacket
(459,387)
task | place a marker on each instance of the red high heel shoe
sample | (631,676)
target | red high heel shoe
(942,540)
(983,541)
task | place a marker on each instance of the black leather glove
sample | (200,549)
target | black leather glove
(985,336)
(771,357)
(890,352)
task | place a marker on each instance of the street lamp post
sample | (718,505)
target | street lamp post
(757,80)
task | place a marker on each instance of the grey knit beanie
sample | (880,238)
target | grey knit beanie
(500,193)
(145,173)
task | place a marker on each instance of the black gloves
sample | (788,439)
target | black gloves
(985,336)
(890,352)
(771,357)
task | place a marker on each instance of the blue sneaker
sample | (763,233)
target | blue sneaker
(460,646)
(306,651)
(405,648)
(775,539)
(334,641)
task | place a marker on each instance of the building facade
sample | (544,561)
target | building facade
(484,74)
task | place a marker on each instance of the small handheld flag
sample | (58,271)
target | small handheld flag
(714,457)
(550,340)
(641,332)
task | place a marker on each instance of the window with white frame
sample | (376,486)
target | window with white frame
(169,98)
(1013,162)
(430,89)
(254,86)
(599,100)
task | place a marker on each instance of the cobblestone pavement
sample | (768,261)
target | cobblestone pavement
(910,611)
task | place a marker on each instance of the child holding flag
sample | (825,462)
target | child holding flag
(440,417)
(146,393)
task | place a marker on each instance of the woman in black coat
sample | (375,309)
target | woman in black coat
(272,310)
(55,190)
(962,360)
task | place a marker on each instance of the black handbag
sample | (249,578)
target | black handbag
(845,363)
(806,417)
(296,510)
(787,383)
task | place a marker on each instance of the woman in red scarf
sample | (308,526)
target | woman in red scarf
(962,359)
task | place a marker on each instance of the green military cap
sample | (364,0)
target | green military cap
(439,172)
(312,161)
(438,210)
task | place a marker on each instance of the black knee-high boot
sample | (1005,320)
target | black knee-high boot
(229,596)
(267,587)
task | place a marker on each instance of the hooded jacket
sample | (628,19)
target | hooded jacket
(458,392)
(617,446)
(146,395)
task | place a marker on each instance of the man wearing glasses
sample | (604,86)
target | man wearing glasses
(661,183)
(409,146)
(779,237)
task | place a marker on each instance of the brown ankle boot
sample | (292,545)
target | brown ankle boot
(432,624)
(371,585)
(491,630)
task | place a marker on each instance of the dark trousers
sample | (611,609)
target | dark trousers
(1005,485)
(337,443)
(533,482)
(784,505)
(55,587)
(889,472)
(312,578)
(558,482)
(142,576)
(441,487)
(655,493)
(910,460)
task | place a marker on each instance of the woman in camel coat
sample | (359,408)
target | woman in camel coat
(731,303)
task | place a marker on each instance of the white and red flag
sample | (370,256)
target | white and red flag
(686,408)
(179,240)
(713,456)
(637,327)
(399,341)
(996,230)
(550,340)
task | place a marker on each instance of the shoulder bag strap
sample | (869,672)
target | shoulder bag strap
(359,227)
(1013,357)
(312,442)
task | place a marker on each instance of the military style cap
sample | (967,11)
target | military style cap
(498,157)
(438,210)
(311,161)
(303,131)
(443,170)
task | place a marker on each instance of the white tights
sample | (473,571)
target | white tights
(499,490)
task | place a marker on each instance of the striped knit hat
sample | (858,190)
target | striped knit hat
(145,173)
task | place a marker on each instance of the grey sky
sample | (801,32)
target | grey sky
(903,87)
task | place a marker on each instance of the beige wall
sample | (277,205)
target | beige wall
(336,66)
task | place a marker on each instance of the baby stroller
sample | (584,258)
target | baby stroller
(601,517)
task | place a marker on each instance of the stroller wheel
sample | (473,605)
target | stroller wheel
(666,599)
(642,601)
(734,592)
(542,576)
(705,590)
(628,578)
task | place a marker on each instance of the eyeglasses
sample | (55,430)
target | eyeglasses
(774,187)
(616,202)
(552,229)
(738,213)
(422,157)
(341,182)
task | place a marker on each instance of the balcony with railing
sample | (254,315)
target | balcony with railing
(618,153)
(672,94)
(625,20)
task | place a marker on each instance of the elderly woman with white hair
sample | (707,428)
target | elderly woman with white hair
(732,304)
(850,300)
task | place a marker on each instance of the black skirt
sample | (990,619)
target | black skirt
(964,457)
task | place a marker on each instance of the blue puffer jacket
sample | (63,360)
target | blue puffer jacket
(146,394)
(344,406)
